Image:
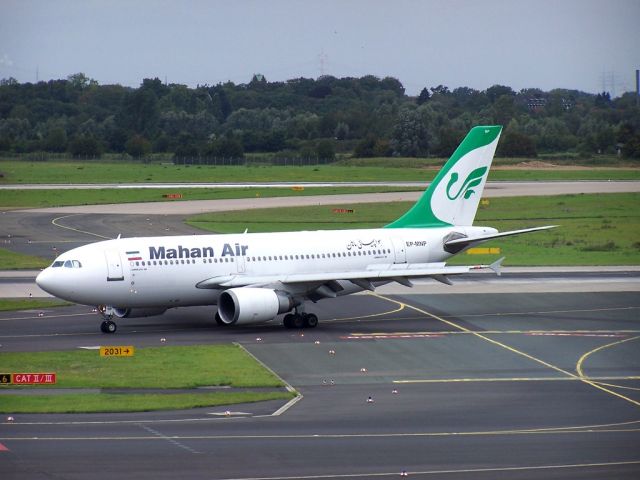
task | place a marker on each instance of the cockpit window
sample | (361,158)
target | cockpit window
(67,264)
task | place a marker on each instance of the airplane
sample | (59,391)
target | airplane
(254,277)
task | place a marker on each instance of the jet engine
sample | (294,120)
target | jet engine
(246,305)
(138,312)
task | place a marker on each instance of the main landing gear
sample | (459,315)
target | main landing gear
(108,325)
(300,320)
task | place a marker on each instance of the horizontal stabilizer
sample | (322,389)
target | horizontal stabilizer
(464,242)
(497,266)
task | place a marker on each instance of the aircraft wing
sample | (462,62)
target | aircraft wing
(394,272)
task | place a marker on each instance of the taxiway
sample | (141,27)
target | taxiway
(488,386)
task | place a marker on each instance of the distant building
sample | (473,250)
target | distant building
(536,104)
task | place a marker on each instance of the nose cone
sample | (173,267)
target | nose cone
(45,281)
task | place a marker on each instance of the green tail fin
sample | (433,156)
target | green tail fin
(453,196)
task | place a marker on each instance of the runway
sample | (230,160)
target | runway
(488,386)
(492,190)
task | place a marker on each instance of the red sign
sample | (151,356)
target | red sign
(33,378)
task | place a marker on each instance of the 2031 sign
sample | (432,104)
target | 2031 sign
(117,351)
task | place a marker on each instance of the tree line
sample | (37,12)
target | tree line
(304,117)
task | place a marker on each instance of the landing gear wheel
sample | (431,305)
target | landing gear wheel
(310,320)
(288,320)
(108,326)
(298,321)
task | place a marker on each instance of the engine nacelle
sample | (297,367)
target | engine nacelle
(138,312)
(246,305)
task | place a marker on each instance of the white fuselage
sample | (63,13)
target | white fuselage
(164,271)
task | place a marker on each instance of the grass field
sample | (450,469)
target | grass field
(104,402)
(153,367)
(11,261)
(10,199)
(594,229)
(16,172)
(9,304)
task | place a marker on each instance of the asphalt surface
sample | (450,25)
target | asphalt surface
(530,375)
(488,386)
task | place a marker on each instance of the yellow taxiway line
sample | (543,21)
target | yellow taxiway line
(513,350)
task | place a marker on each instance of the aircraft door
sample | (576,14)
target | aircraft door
(240,263)
(115,272)
(399,250)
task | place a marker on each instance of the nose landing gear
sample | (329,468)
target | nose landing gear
(108,325)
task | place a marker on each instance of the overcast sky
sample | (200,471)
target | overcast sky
(583,44)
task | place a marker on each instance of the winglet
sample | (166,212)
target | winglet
(497,266)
